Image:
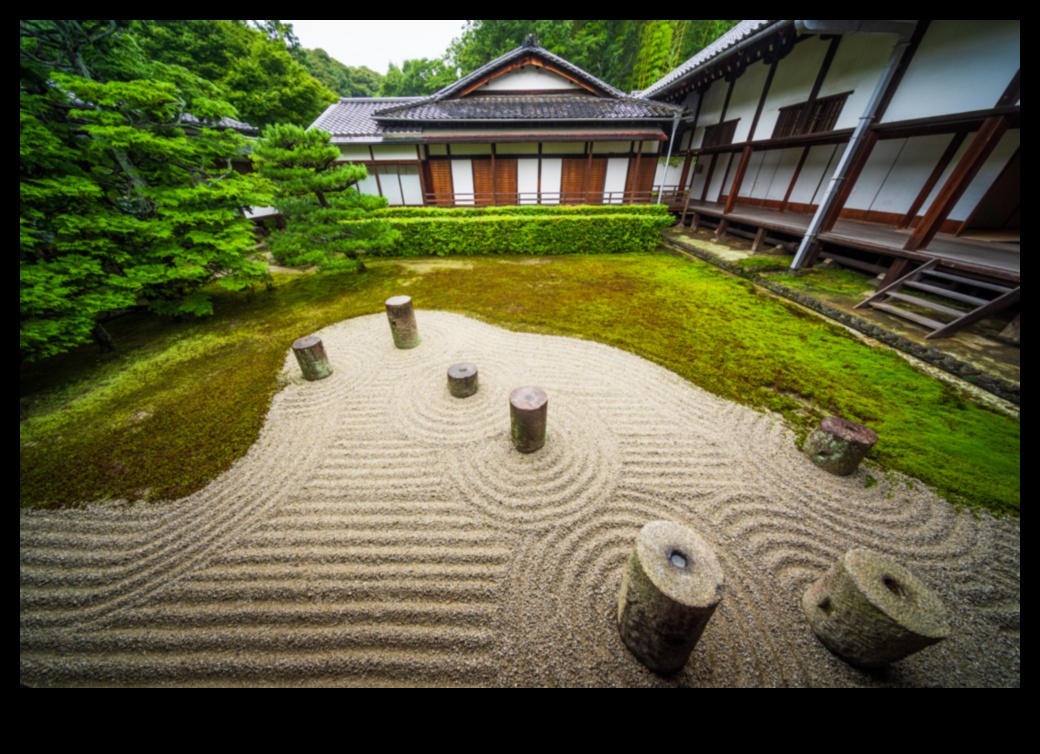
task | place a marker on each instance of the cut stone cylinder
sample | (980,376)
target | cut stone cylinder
(871,611)
(402,321)
(670,588)
(528,410)
(838,445)
(462,379)
(310,355)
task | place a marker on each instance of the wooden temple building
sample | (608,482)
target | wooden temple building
(893,146)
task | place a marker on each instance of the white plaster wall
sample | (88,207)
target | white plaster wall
(814,168)
(828,172)
(411,185)
(462,179)
(527,180)
(439,149)
(369,185)
(650,147)
(391,187)
(697,182)
(987,175)
(563,147)
(747,91)
(354,152)
(856,67)
(719,179)
(617,172)
(667,175)
(759,175)
(793,81)
(960,66)
(714,99)
(915,162)
(529,77)
(395,152)
(518,148)
(552,177)
(470,149)
(684,142)
(874,173)
(601,147)
(787,162)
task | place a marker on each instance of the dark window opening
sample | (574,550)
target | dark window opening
(720,134)
(797,120)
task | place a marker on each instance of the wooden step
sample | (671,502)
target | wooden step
(967,281)
(895,310)
(946,293)
(934,306)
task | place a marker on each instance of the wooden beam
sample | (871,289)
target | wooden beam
(825,66)
(725,104)
(762,98)
(520,63)
(904,63)
(794,178)
(708,177)
(926,189)
(859,161)
(738,178)
(760,236)
(998,304)
(967,168)
(896,271)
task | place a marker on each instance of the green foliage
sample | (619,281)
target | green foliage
(184,400)
(418,78)
(541,234)
(122,202)
(251,68)
(343,80)
(329,223)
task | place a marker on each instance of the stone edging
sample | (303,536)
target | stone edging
(929,354)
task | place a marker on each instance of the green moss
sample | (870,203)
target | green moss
(837,281)
(181,402)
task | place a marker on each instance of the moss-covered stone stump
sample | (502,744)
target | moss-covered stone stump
(402,321)
(871,611)
(310,355)
(528,415)
(671,585)
(839,445)
(462,379)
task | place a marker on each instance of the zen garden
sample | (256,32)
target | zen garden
(590,354)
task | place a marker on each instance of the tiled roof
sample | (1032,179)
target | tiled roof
(352,117)
(238,125)
(730,39)
(528,108)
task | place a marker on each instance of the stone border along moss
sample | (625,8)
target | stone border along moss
(929,354)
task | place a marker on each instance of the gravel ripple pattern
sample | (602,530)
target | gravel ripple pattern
(383,533)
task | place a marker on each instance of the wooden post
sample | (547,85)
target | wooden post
(738,178)
(871,611)
(967,168)
(310,355)
(859,161)
(462,379)
(402,321)
(670,588)
(929,184)
(528,409)
(760,235)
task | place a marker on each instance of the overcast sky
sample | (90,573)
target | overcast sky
(376,44)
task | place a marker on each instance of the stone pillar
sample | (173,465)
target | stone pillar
(670,588)
(462,379)
(528,408)
(870,611)
(402,321)
(310,355)
(838,445)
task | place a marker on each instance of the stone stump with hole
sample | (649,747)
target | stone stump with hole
(839,445)
(402,321)
(871,611)
(670,588)
(462,379)
(310,355)
(528,415)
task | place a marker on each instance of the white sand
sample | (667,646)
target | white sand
(381,532)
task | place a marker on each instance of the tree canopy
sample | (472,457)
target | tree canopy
(128,194)
(329,223)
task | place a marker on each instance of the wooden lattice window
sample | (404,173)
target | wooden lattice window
(720,134)
(797,120)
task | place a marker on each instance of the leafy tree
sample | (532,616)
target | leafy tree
(343,80)
(125,198)
(418,77)
(254,69)
(316,193)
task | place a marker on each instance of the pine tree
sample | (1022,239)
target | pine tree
(316,194)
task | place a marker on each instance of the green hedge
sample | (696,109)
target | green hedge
(527,210)
(554,233)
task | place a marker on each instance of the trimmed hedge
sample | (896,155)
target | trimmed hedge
(525,210)
(538,234)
